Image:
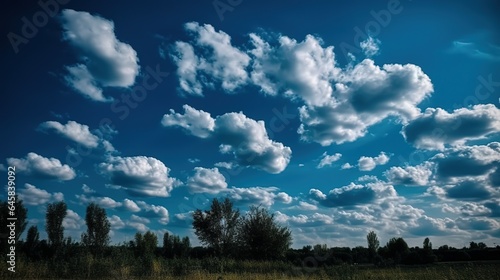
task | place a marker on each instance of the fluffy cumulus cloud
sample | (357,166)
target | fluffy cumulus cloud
(327,160)
(206,180)
(79,133)
(435,128)
(410,175)
(340,104)
(105,61)
(42,167)
(265,196)
(354,194)
(296,69)
(466,161)
(139,176)
(243,138)
(32,195)
(102,201)
(72,221)
(369,163)
(365,95)
(223,63)
(196,122)
(152,211)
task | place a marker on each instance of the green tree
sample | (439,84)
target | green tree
(97,236)
(373,244)
(397,249)
(15,207)
(218,227)
(428,254)
(32,243)
(56,212)
(174,247)
(262,237)
(146,244)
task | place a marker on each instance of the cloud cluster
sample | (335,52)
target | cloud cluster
(104,60)
(435,128)
(340,104)
(206,180)
(409,175)
(369,163)
(42,167)
(139,176)
(32,195)
(79,133)
(243,138)
(265,196)
(355,194)
(222,62)
(327,160)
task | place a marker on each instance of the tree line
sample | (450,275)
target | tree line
(225,234)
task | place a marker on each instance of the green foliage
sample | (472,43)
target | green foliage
(373,244)
(145,245)
(53,223)
(97,236)
(218,227)
(261,237)
(174,247)
(397,249)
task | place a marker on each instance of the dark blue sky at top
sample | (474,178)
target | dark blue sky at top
(455,43)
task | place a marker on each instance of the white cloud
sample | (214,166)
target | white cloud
(436,128)
(240,136)
(370,46)
(346,166)
(197,122)
(72,221)
(327,160)
(297,69)
(206,180)
(140,175)
(265,196)
(42,167)
(130,205)
(116,222)
(223,164)
(409,175)
(32,195)
(87,189)
(103,201)
(340,104)
(157,212)
(307,206)
(223,64)
(369,163)
(105,61)
(365,95)
(76,132)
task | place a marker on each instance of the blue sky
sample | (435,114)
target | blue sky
(339,118)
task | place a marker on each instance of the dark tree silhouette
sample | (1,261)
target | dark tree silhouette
(373,244)
(217,227)
(397,249)
(97,236)
(262,237)
(145,245)
(56,212)
(174,247)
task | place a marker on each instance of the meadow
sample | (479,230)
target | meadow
(88,267)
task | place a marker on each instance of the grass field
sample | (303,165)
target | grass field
(186,269)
